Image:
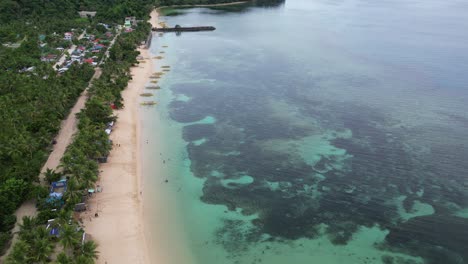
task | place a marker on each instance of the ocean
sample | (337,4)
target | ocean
(325,131)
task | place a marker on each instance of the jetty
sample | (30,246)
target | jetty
(178,28)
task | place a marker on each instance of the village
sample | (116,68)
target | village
(90,45)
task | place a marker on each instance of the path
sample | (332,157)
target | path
(70,51)
(68,128)
(106,55)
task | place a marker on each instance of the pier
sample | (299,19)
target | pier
(178,28)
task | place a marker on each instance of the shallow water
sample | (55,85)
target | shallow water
(316,132)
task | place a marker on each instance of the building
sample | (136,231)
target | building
(49,58)
(89,61)
(68,36)
(85,14)
(130,21)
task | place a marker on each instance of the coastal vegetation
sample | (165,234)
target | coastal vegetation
(34,101)
(80,162)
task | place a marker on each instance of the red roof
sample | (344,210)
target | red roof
(89,61)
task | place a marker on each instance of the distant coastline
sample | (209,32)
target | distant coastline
(207,5)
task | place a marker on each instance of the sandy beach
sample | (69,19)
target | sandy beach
(119,228)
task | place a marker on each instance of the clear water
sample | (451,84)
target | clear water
(328,131)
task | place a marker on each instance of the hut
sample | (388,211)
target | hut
(80,207)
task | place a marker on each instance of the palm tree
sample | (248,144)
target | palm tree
(89,250)
(83,260)
(63,217)
(27,227)
(73,193)
(41,250)
(62,258)
(51,175)
(19,254)
(68,238)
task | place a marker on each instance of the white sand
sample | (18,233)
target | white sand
(119,228)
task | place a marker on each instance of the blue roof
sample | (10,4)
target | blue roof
(54,231)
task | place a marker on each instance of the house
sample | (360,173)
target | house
(85,14)
(75,57)
(58,187)
(80,207)
(102,159)
(85,238)
(49,58)
(53,227)
(99,46)
(105,25)
(130,21)
(109,34)
(68,36)
(27,69)
(12,45)
(89,61)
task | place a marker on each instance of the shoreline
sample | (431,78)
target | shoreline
(119,230)
(206,5)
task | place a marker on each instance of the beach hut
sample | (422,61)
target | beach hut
(91,192)
(85,237)
(58,186)
(102,159)
(80,207)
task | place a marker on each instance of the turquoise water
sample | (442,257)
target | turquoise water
(313,132)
